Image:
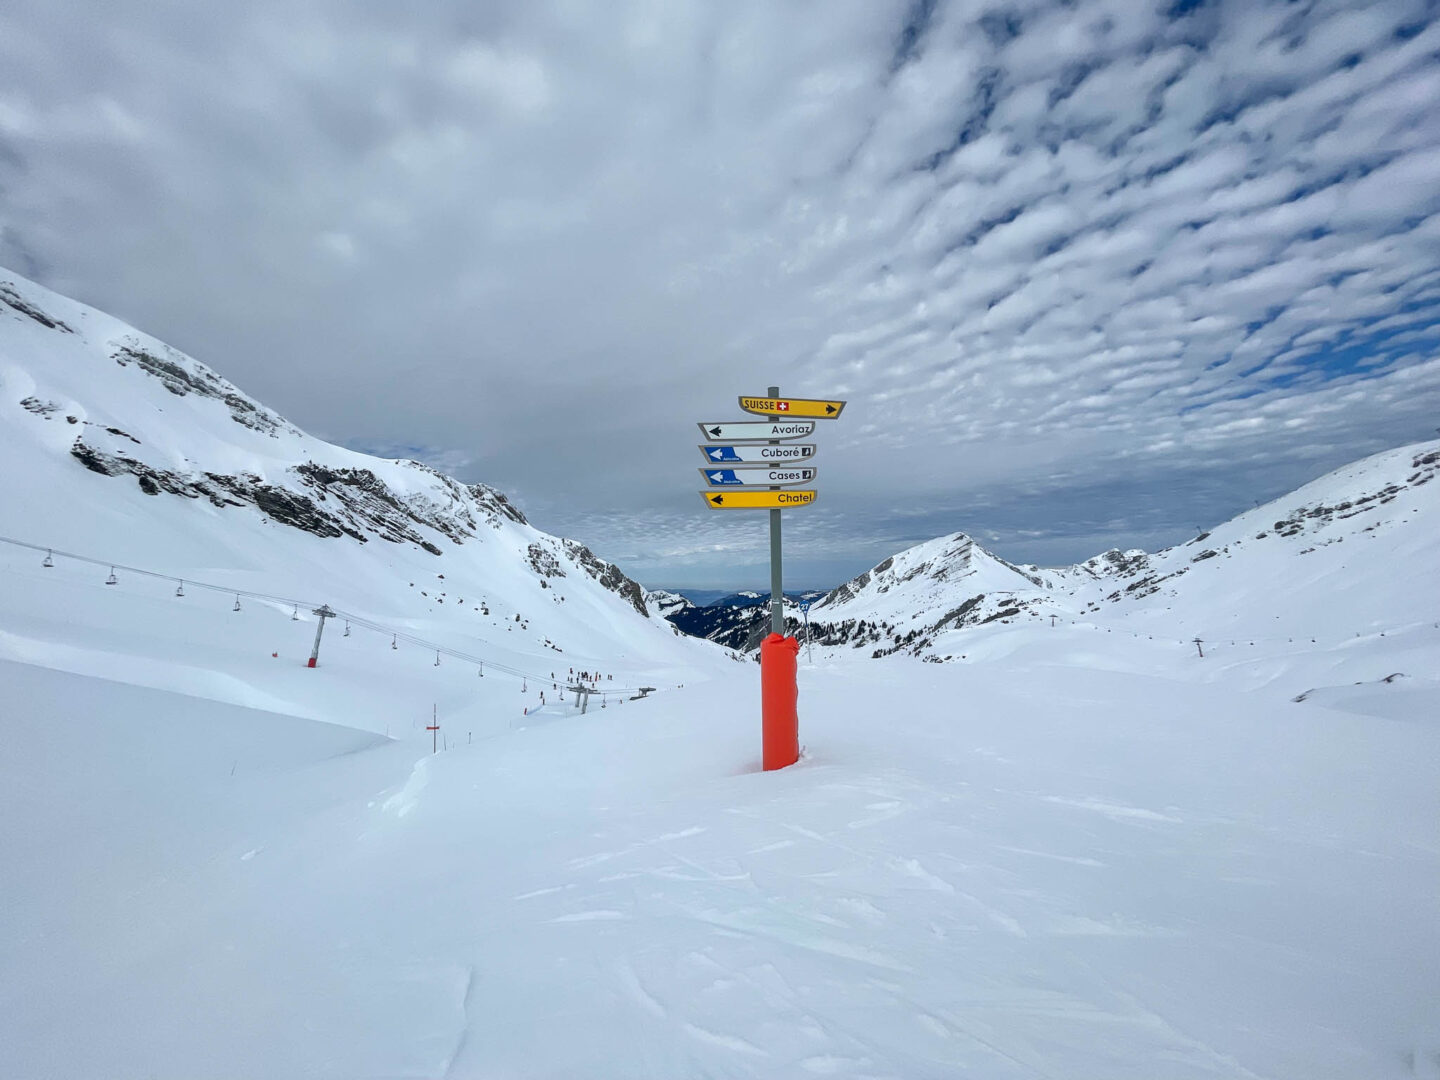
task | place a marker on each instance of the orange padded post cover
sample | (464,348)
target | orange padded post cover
(779,694)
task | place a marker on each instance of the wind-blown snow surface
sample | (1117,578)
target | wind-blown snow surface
(1041,867)
(1076,853)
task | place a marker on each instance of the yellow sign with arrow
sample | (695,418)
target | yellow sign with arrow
(787,407)
(756,500)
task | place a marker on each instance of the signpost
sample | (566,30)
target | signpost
(759,476)
(755,477)
(768,454)
(757,500)
(757,430)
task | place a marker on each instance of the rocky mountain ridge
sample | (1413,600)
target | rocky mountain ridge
(1279,558)
(126,406)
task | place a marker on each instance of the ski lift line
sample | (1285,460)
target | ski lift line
(52,553)
(484,663)
(228,590)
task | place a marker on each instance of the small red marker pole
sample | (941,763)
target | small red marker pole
(433,727)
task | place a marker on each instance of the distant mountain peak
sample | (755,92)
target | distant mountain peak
(1272,564)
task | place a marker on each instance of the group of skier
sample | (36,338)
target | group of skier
(592,677)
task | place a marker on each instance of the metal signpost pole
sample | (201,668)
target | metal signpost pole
(777,595)
(325,613)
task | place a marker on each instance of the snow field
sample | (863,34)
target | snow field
(998,869)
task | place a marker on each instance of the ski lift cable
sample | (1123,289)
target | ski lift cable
(228,590)
(295,604)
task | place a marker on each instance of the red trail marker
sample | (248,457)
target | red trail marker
(779,698)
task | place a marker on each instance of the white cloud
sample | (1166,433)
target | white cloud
(1045,250)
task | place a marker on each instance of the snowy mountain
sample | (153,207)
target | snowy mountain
(1276,571)
(665,603)
(737,620)
(123,449)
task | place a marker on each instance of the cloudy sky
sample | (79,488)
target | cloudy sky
(1090,273)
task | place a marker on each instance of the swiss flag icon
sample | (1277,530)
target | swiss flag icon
(782,406)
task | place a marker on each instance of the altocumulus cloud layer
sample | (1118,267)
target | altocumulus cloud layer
(1094,273)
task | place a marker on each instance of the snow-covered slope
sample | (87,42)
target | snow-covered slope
(910,598)
(119,448)
(665,603)
(1083,852)
(1352,546)
(1342,556)
(1041,866)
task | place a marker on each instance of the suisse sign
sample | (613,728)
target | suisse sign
(741,454)
(753,430)
(785,407)
(759,476)
(756,500)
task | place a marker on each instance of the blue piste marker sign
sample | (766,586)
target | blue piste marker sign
(765,476)
(765,454)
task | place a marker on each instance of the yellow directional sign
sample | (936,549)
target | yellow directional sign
(756,500)
(769,406)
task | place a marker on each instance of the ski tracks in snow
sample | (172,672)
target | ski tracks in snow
(780,921)
(774,920)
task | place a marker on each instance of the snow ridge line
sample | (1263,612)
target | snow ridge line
(309,605)
(1223,638)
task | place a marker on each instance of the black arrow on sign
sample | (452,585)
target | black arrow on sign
(718,500)
(829,408)
(715,432)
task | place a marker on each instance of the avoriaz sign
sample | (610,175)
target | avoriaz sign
(758,430)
